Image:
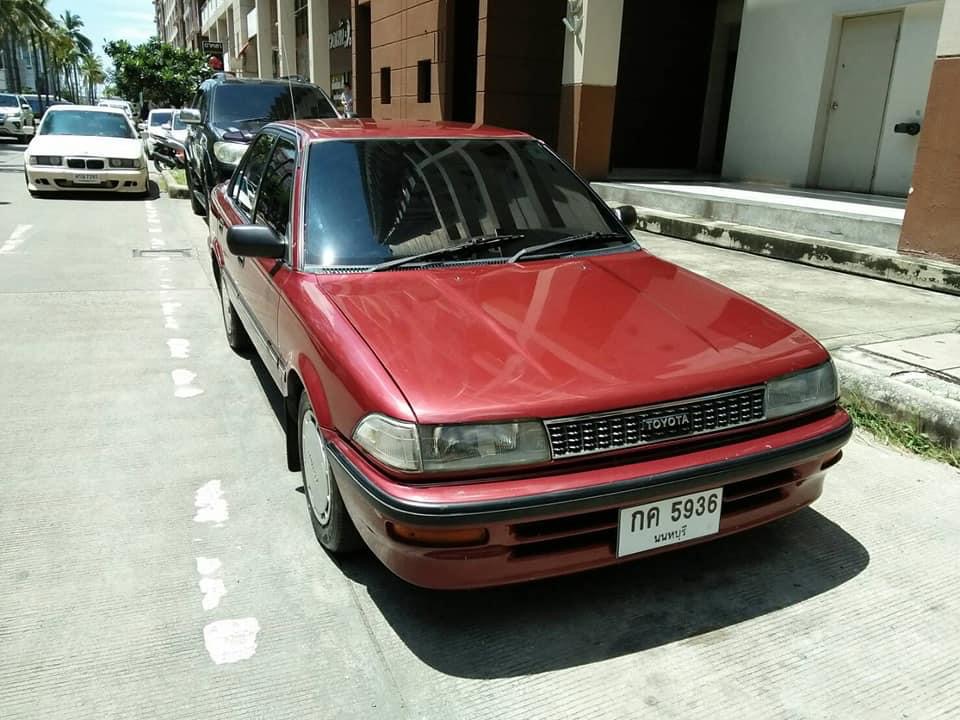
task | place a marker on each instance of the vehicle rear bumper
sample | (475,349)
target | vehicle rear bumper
(544,526)
(59,179)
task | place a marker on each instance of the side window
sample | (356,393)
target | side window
(273,207)
(200,102)
(248,180)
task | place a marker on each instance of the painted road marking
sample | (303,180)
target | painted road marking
(229,641)
(210,504)
(19,234)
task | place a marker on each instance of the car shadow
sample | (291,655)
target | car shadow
(694,596)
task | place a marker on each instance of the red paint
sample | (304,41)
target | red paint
(536,339)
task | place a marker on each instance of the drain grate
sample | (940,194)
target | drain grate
(166,252)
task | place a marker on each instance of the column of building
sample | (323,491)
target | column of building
(932,222)
(590,62)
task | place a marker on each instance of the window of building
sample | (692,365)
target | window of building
(423,81)
(300,12)
(385,85)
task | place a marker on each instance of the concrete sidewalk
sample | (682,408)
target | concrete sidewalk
(896,346)
(847,232)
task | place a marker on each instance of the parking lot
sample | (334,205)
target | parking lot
(158,561)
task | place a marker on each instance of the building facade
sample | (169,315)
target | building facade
(832,94)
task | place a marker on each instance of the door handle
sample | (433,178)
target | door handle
(907,128)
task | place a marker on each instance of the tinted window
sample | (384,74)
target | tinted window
(34,104)
(159,118)
(248,180)
(273,206)
(86,122)
(375,200)
(260,103)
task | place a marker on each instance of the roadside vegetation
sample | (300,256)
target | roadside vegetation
(904,435)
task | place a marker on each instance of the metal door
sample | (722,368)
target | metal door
(855,117)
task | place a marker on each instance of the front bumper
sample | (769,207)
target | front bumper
(11,127)
(42,178)
(551,525)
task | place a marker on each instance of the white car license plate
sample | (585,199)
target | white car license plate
(676,520)
(86,179)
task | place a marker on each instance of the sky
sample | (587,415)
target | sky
(105,20)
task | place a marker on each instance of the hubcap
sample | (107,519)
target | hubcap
(225,304)
(316,468)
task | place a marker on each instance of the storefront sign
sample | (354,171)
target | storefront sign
(342,37)
(211,46)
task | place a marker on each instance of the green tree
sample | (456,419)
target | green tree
(93,75)
(166,75)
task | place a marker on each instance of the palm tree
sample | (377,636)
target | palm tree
(16,18)
(81,48)
(93,74)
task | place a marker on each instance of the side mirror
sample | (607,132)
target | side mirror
(627,214)
(256,241)
(166,126)
(141,126)
(26,108)
(191,116)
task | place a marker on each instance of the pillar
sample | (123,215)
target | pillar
(287,30)
(931,225)
(264,39)
(318,29)
(591,56)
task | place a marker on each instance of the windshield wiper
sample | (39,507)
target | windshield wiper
(468,244)
(569,240)
(246,120)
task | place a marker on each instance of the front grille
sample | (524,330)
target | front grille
(642,426)
(81,164)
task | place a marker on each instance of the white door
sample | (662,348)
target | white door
(855,114)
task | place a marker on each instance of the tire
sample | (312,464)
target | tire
(195,205)
(332,525)
(237,337)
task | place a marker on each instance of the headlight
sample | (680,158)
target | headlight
(802,391)
(125,163)
(229,153)
(437,448)
(46,160)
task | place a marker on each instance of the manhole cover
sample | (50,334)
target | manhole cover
(171,252)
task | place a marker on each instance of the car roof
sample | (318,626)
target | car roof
(358,128)
(88,108)
(213,82)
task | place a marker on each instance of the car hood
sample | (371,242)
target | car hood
(563,337)
(83,146)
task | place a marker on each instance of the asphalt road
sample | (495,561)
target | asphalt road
(156,559)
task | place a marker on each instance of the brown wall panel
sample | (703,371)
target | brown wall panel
(932,221)
(585,128)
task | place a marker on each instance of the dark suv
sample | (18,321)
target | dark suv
(225,116)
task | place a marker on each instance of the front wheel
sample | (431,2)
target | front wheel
(195,205)
(328,515)
(237,337)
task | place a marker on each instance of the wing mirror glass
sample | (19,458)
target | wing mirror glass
(190,116)
(627,214)
(257,241)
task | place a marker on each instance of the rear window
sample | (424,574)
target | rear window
(86,123)
(242,103)
(159,118)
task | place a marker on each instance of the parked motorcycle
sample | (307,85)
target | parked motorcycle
(168,153)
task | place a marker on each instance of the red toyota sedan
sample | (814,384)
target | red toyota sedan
(486,378)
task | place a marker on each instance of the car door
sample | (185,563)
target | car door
(273,205)
(243,275)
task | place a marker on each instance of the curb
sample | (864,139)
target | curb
(845,257)
(937,416)
(174,189)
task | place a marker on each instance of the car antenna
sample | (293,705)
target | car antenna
(283,61)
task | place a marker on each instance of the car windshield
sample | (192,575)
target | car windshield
(86,122)
(159,118)
(8,100)
(376,200)
(266,102)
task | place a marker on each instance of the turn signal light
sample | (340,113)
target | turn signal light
(437,537)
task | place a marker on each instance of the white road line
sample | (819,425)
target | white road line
(179,348)
(210,504)
(19,234)
(229,641)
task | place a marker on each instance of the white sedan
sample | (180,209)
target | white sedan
(79,147)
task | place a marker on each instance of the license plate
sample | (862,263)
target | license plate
(86,179)
(654,525)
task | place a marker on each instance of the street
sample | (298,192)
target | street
(158,561)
